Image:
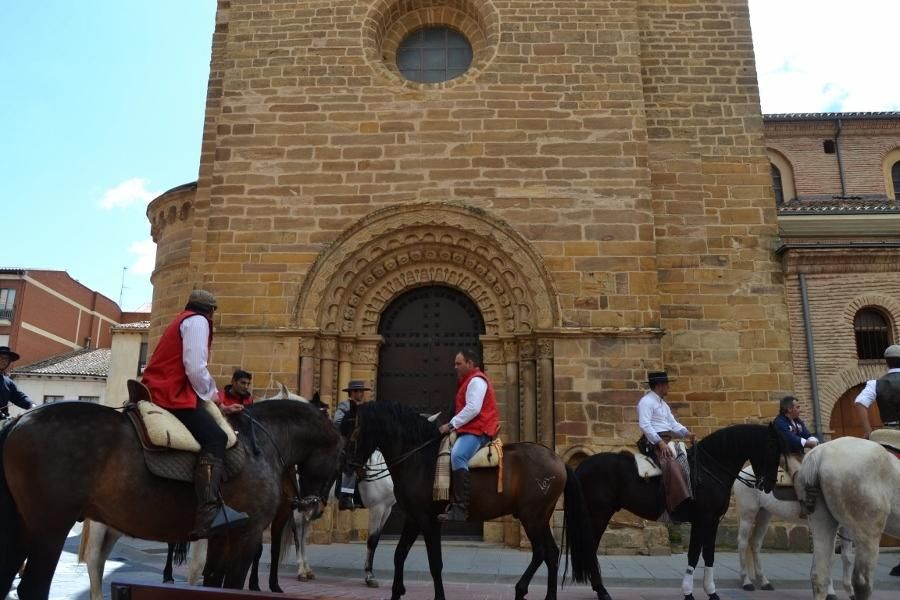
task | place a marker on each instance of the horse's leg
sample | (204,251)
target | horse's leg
(432,534)
(15,556)
(599,522)
(107,543)
(746,527)
(534,533)
(407,539)
(864,565)
(253,584)
(43,556)
(167,570)
(709,558)
(823,526)
(694,547)
(304,571)
(847,553)
(551,559)
(198,561)
(756,541)
(378,516)
(241,552)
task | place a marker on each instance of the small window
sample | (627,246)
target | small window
(895,177)
(433,55)
(49,399)
(872,334)
(777,187)
(89,398)
(7,303)
(828,146)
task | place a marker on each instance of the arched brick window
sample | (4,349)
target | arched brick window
(777,186)
(873,333)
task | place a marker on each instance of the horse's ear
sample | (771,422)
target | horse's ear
(284,391)
(434,417)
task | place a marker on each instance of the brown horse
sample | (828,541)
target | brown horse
(65,462)
(533,479)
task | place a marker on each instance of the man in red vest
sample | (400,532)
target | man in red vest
(179,381)
(475,424)
(236,394)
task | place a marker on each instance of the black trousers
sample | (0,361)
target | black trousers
(203,427)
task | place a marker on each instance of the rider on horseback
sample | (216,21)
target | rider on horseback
(8,390)
(179,381)
(789,423)
(884,391)
(658,424)
(346,409)
(475,423)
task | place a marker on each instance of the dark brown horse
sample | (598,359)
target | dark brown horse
(611,483)
(533,479)
(69,461)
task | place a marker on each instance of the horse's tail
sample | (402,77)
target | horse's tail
(577,530)
(179,553)
(287,536)
(807,482)
(9,521)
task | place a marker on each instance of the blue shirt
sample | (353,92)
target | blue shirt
(10,393)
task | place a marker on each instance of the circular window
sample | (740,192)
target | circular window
(433,55)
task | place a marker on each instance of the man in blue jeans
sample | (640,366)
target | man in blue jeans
(475,423)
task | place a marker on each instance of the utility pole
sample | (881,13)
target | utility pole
(122,287)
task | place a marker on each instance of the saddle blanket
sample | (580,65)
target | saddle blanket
(647,468)
(165,431)
(489,456)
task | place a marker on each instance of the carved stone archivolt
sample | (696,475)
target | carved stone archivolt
(398,248)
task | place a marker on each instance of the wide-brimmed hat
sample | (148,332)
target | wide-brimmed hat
(657,377)
(356,385)
(892,351)
(5,351)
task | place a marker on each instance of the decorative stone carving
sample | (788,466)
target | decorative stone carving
(511,350)
(493,352)
(307,346)
(328,348)
(526,350)
(397,248)
(545,348)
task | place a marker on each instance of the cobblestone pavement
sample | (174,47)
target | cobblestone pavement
(472,572)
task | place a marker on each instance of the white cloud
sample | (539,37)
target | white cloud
(825,55)
(146,256)
(126,193)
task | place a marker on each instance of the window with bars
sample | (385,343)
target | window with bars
(48,399)
(433,55)
(777,186)
(873,334)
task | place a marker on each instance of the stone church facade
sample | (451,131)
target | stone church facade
(588,200)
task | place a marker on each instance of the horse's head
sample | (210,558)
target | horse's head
(766,457)
(316,476)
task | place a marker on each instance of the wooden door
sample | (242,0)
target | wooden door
(422,330)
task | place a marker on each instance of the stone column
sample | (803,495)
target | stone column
(546,406)
(307,366)
(328,358)
(513,402)
(345,367)
(528,385)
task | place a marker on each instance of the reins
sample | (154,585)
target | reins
(385,472)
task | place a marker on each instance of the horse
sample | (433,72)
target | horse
(754,510)
(377,492)
(533,479)
(854,483)
(611,482)
(92,466)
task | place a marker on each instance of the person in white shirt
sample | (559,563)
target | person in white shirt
(659,426)
(884,391)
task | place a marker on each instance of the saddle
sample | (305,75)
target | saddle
(170,451)
(645,461)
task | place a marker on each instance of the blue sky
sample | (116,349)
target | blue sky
(102,110)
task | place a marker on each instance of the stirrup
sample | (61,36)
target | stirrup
(454,513)
(226,518)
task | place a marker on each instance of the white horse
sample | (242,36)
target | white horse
(754,510)
(377,493)
(855,483)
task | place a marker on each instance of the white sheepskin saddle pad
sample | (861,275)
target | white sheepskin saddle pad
(165,431)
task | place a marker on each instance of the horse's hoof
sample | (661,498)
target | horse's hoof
(895,572)
(310,575)
(768,587)
(689,597)
(253,587)
(371,582)
(714,596)
(168,581)
(748,587)
(276,589)
(832,597)
(302,577)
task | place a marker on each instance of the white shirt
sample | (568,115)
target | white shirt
(475,392)
(655,415)
(867,396)
(195,355)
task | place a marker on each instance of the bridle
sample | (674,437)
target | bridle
(383,472)
(757,481)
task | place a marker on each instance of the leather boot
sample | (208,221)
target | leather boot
(461,483)
(213,515)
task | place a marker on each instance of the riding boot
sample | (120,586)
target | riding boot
(461,483)
(213,515)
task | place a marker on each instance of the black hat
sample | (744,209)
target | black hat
(5,351)
(356,385)
(657,377)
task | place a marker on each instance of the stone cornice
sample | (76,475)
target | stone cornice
(818,225)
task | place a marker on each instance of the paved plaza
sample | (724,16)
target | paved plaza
(471,572)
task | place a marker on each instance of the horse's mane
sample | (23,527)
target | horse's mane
(398,420)
(277,411)
(723,441)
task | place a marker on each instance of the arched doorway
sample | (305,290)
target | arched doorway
(422,329)
(845,421)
